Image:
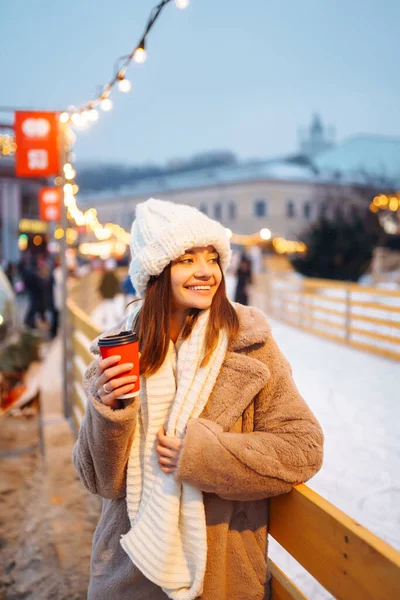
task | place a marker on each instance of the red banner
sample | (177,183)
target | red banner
(50,199)
(37,137)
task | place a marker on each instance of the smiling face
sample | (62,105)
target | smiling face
(195,278)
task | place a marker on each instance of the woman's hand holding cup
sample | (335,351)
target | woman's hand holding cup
(115,381)
(111,383)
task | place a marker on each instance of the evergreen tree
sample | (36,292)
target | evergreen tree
(337,249)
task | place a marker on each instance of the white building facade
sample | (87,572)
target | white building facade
(281,197)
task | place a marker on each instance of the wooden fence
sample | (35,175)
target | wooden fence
(349,561)
(367,318)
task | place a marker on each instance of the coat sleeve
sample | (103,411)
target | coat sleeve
(285,449)
(101,452)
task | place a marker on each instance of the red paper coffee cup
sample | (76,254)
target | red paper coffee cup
(126,345)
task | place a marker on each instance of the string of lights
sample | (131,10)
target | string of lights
(384,202)
(87,113)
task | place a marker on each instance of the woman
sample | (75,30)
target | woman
(186,469)
(111,308)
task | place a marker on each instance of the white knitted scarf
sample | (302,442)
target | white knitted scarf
(168,541)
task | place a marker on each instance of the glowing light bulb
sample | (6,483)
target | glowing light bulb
(85,117)
(182,3)
(124,85)
(70,174)
(106,104)
(93,115)
(140,55)
(265,234)
(76,119)
(228,233)
(64,117)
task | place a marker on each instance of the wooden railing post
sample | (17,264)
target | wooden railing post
(69,358)
(347,312)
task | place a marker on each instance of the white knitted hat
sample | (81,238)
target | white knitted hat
(163,231)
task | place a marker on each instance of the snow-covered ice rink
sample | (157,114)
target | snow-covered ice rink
(355,396)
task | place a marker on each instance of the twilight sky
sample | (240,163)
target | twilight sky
(222,74)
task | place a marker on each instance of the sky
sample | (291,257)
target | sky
(222,74)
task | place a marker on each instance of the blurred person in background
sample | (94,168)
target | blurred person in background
(111,308)
(52,276)
(9,270)
(34,288)
(57,292)
(128,289)
(109,285)
(244,280)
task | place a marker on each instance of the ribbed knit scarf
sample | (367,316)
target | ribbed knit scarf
(168,540)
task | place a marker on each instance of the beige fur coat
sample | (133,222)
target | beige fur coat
(256,438)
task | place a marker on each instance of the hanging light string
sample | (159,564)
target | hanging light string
(88,112)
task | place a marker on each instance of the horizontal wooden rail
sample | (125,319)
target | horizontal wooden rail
(323,297)
(377,336)
(80,344)
(328,311)
(370,348)
(82,322)
(348,560)
(84,330)
(375,305)
(376,320)
(324,322)
(282,588)
(361,289)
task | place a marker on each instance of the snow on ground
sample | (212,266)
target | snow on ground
(355,396)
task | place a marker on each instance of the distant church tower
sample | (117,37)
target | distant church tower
(316,138)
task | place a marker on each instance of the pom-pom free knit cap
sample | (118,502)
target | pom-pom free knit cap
(162,231)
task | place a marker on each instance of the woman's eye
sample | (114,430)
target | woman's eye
(186,260)
(214,260)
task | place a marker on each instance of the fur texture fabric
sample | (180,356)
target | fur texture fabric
(255,439)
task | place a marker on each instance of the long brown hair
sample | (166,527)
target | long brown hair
(154,319)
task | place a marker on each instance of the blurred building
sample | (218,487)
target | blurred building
(282,194)
(315,139)
(245,198)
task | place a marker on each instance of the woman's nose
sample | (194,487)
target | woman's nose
(203,271)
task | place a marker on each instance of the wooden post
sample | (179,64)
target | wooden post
(64,267)
(348,312)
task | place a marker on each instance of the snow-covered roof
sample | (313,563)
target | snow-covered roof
(356,160)
(270,169)
(363,157)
